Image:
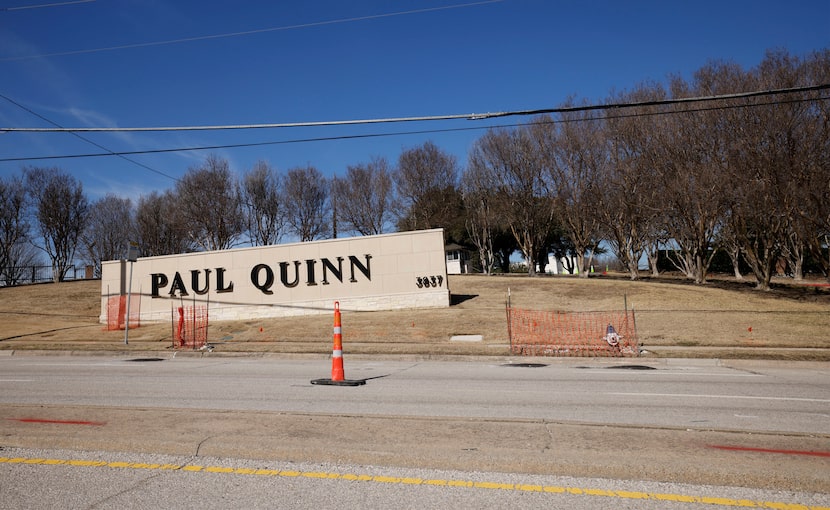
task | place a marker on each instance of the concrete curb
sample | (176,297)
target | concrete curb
(506,359)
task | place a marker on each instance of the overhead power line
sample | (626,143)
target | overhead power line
(391,120)
(396,133)
(40,6)
(248,32)
(87,140)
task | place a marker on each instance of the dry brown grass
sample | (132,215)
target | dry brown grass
(674,318)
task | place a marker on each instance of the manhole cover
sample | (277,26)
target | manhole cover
(525,365)
(632,367)
(145,359)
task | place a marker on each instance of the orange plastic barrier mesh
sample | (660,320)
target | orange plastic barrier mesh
(116,312)
(540,333)
(190,326)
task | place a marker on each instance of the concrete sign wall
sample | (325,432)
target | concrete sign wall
(385,272)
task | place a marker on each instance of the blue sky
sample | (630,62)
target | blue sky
(141,63)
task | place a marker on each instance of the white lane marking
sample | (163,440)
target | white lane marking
(745,397)
(16,380)
(660,372)
(101,364)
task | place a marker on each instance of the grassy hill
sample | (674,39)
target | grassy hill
(674,319)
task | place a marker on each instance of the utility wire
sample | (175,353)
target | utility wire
(87,140)
(402,133)
(470,116)
(40,6)
(249,32)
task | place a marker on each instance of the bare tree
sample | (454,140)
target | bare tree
(25,257)
(160,229)
(426,185)
(263,203)
(110,228)
(757,216)
(630,188)
(814,215)
(306,198)
(748,175)
(727,241)
(14,228)
(692,165)
(772,169)
(364,197)
(478,185)
(60,209)
(575,157)
(513,160)
(210,205)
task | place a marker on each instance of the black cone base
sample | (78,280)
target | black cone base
(346,382)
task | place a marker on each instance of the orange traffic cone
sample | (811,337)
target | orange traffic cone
(337,373)
(338,377)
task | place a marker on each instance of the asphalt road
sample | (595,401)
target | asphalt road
(255,432)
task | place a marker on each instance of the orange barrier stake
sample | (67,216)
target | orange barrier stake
(337,353)
(180,327)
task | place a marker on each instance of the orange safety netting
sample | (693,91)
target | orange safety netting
(190,326)
(540,333)
(116,312)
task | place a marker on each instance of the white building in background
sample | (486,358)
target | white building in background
(559,265)
(458,259)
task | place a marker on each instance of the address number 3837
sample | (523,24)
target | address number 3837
(429,281)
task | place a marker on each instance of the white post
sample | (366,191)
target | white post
(132,256)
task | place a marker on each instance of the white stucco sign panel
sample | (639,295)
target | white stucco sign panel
(384,272)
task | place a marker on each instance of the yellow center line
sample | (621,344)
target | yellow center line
(620,494)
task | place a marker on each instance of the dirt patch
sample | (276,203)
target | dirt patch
(720,319)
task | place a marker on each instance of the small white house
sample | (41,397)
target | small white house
(559,266)
(458,259)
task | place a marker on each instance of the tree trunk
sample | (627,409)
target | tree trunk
(653,257)
(735,257)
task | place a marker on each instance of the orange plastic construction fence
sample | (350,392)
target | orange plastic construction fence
(116,312)
(190,326)
(544,333)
